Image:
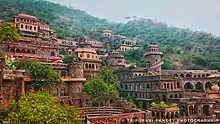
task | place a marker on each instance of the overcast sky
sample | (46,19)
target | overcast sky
(194,14)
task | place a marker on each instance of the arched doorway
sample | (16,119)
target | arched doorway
(157,97)
(171,96)
(208,85)
(199,86)
(168,116)
(188,85)
(196,109)
(191,110)
(206,110)
(164,98)
(135,120)
(175,96)
(124,121)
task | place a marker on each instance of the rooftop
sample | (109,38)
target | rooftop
(27,16)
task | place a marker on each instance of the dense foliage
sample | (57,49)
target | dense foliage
(42,108)
(41,75)
(8,33)
(103,87)
(163,105)
(182,48)
(70,59)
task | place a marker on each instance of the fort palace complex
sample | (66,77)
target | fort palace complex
(194,92)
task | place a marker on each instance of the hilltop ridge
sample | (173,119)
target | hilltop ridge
(183,48)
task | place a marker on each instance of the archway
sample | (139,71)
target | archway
(63,92)
(199,86)
(187,75)
(206,110)
(182,75)
(171,96)
(17,51)
(168,116)
(135,120)
(188,85)
(191,110)
(22,51)
(196,109)
(148,86)
(175,96)
(12,50)
(172,115)
(208,85)
(86,66)
(157,97)
(175,75)
(164,98)
(171,86)
(28,51)
(176,115)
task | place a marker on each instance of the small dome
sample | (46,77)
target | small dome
(215,87)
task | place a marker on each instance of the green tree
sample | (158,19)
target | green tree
(4,114)
(9,63)
(70,59)
(42,108)
(97,88)
(8,33)
(41,75)
(107,74)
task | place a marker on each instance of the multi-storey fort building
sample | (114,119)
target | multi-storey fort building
(185,87)
(192,90)
(121,43)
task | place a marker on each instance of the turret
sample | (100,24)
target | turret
(115,59)
(153,57)
(107,33)
(107,39)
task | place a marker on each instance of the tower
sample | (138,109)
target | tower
(107,39)
(153,57)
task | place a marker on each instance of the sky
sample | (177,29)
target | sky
(202,15)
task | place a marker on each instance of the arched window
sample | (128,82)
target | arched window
(63,92)
(171,96)
(188,85)
(28,51)
(86,66)
(182,75)
(88,56)
(187,75)
(199,86)
(93,66)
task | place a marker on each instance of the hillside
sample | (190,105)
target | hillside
(182,47)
